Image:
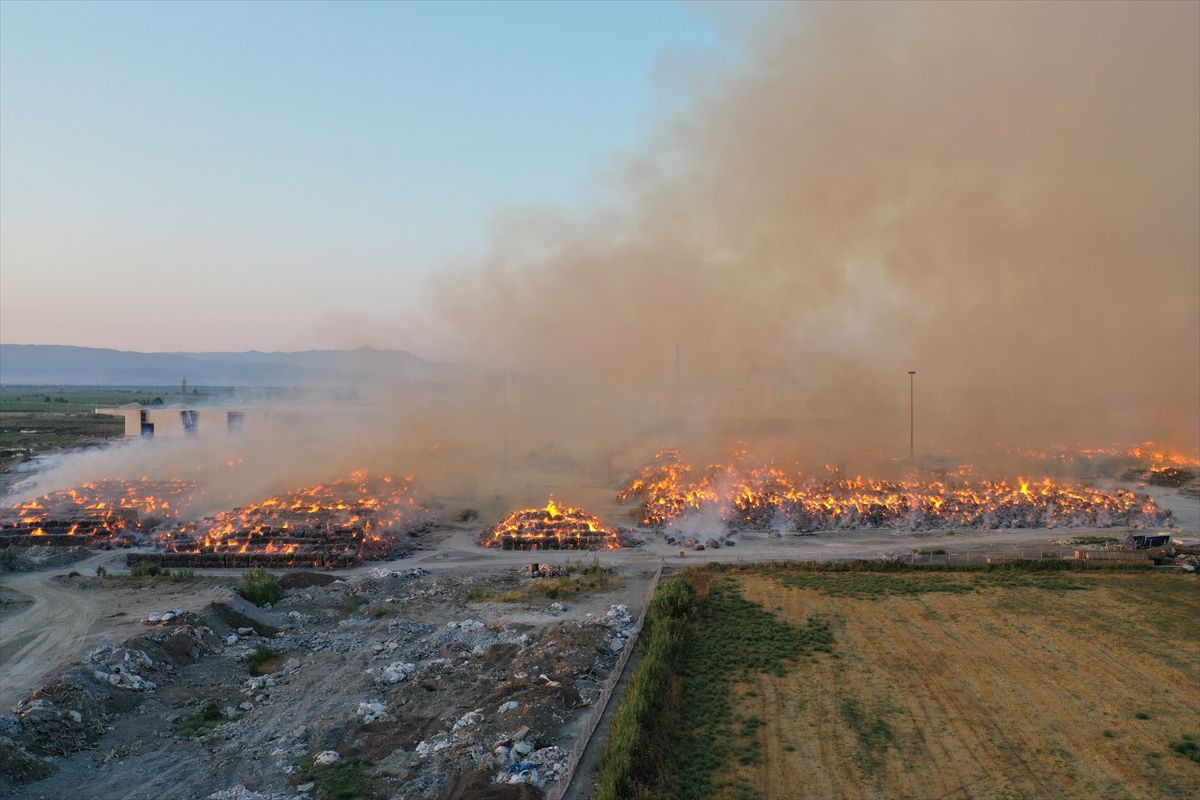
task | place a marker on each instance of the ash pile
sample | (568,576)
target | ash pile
(554,527)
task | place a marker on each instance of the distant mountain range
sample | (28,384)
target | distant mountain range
(43,364)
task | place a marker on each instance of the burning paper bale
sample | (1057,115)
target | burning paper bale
(104,513)
(336,524)
(551,528)
(767,497)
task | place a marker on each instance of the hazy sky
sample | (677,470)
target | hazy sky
(208,176)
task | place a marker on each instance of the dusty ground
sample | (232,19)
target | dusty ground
(1001,693)
(57,621)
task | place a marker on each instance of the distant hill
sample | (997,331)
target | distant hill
(42,364)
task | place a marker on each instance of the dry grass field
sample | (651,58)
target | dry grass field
(981,685)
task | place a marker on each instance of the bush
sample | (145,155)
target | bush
(620,765)
(8,559)
(261,655)
(1187,747)
(145,569)
(208,717)
(260,587)
(347,779)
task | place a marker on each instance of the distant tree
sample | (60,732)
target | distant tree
(158,401)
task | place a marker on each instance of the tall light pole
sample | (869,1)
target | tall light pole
(912,417)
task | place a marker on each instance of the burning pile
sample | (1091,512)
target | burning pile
(333,524)
(100,514)
(768,497)
(551,528)
(1148,455)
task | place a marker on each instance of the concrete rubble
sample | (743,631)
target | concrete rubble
(368,668)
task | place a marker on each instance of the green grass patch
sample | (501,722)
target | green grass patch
(149,573)
(260,587)
(1021,566)
(872,731)
(145,570)
(208,717)
(881,585)
(262,660)
(579,579)
(1101,540)
(730,640)
(347,779)
(1187,746)
(676,729)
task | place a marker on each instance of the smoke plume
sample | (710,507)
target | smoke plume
(1003,197)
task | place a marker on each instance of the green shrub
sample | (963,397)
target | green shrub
(347,779)
(208,717)
(577,579)
(622,763)
(261,655)
(145,570)
(8,559)
(260,587)
(1188,747)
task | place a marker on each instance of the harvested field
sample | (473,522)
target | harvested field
(981,686)
(1006,683)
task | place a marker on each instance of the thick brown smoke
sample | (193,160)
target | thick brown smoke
(1003,197)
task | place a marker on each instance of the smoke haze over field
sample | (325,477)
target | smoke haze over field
(1003,197)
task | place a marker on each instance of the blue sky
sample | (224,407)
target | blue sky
(283,169)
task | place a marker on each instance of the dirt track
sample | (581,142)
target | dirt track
(62,622)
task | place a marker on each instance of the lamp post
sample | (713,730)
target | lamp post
(912,377)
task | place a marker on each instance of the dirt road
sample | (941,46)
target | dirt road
(62,622)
